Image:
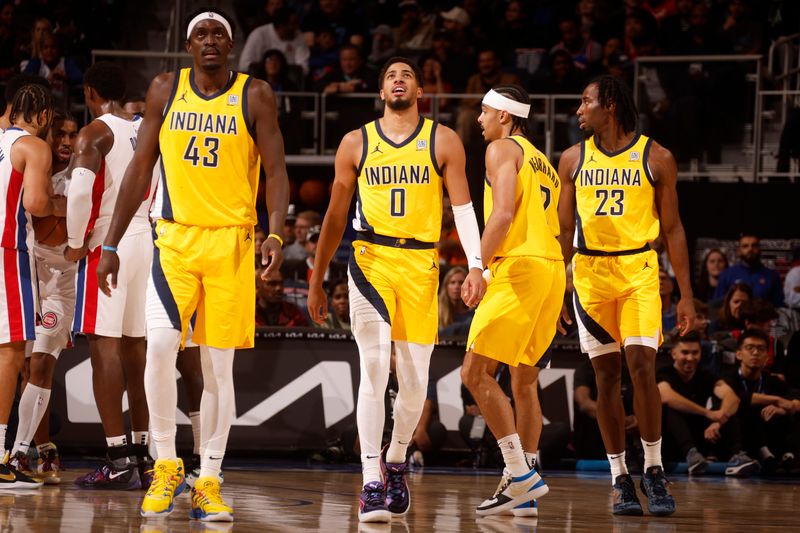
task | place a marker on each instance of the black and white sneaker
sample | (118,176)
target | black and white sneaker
(514,491)
(11,478)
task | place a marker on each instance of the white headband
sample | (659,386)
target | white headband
(498,101)
(205,16)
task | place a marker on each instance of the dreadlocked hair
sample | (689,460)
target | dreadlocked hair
(30,100)
(612,90)
(518,94)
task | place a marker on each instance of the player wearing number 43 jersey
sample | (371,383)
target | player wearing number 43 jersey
(209,125)
(397,166)
(618,193)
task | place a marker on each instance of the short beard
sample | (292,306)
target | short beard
(399,104)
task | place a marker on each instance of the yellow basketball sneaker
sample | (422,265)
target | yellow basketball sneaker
(168,482)
(207,502)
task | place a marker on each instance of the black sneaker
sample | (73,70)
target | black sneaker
(656,487)
(11,478)
(626,502)
(111,477)
(697,463)
(145,466)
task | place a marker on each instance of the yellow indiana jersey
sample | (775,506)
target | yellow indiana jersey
(399,191)
(209,160)
(615,196)
(534,229)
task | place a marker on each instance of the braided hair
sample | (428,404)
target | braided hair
(518,94)
(30,100)
(612,90)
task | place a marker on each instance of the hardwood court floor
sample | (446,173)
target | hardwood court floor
(296,500)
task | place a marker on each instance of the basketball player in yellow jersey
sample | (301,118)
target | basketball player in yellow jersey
(516,320)
(209,125)
(622,187)
(398,165)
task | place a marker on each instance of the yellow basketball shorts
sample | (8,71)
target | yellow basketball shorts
(210,271)
(402,285)
(617,301)
(516,320)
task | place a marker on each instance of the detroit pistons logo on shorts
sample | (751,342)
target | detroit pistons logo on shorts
(49,320)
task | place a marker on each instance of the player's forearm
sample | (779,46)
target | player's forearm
(493,234)
(37,204)
(678,252)
(277,187)
(131,193)
(565,240)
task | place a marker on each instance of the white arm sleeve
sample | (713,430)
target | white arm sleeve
(468,234)
(79,205)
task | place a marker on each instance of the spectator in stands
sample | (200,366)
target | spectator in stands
(288,225)
(512,34)
(489,75)
(339,317)
(449,245)
(41,27)
(730,318)
(352,76)
(660,9)
(585,52)
(700,38)
(741,32)
(760,315)
(713,264)
(587,441)
(765,282)
(297,250)
(454,316)
(669,316)
(383,46)
(562,78)
(271,309)
(274,69)
(791,285)
(254,14)
(324,57)
(789,317)
(281,34)
(767,412)
(434,83)
(675,28)
(693,430)
(456,22)
(8,41)
(335,270)
(62,72)
(414,33)
(348,27)
(640,34)
(456,65)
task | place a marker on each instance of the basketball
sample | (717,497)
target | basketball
(313,193)
(50,230)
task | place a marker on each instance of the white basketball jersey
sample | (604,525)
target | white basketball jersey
(16,222)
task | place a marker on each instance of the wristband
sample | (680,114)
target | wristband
(106,248)
(276,237)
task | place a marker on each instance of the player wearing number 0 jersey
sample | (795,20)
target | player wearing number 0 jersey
(618,193)
(113,323)
(209,125)
(516,321)
(397,166)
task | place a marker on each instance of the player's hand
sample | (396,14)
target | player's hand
(108,266)
(686,315)
(59,205)
(473,288)
(712,433)
(563,320)
(271,256)
(76,254)
(317,303)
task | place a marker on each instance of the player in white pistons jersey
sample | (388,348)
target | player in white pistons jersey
(56,283)
(114,325)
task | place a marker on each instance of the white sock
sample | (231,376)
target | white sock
(373,337)
(161,390)
(3,429)
(141,437)
(530,458)
(618,466)
(652,453)
(114,442)
(513,455)
(32,406)
(194,418)
(217,407)
(412,362)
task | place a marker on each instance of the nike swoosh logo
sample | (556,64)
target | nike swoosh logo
(115,475)
(372,456)
(215,458)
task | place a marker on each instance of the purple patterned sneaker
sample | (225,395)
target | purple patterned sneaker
(372,505)
(398,497)
(110,477)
